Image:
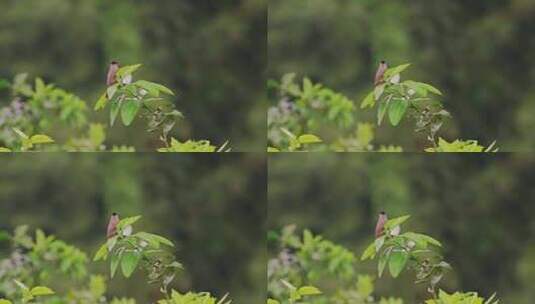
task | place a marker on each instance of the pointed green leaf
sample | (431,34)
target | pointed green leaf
(41,139)
(128,221)
(369,252)
(130,110)
(397,110)
(381,111)
(114,111)
(129,262)
(308,291)
(102,253)
(41,291)
(396,221)
(101,102)
(128,70)
(115,259)
(398,260)
(369,101)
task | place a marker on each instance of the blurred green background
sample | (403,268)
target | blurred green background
(480,207)
(479,53)
(212,207)
(212,52)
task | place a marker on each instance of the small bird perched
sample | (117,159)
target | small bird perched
(112,73)
(383,66)
(379,228)
(112,225)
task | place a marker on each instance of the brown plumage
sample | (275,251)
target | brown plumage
(380,227)
(112,73)
(383,66)
(112,225)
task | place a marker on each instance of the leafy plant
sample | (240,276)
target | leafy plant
(310,108)
(310,260)
(296,143)
(130,250)
(297,293)
(28,142)
(39,260)
(194,298)
(396,99)
(417,252)
(44,109)
(29,294)
(130,98)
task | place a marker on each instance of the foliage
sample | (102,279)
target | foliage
(45,109)
(461,298)
(297,294)
(142,249)
(193,146)
(128,97)
(29,294)
(461,146)
(193,298)
(310,108)
(417,100)
(417,252)
(309,260)
(41,259)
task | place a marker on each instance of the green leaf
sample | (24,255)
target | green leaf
(309,139)
(102,253)
(153,88)
(396,221)
(20,133)
(308,291)
(383,259)
(369,101)
(128,221)
(115,259)
(378,91)
(128,70)
(396,70)
(269,301)
(111,90)
(114,111)
(430,88)
(369,252)
(41,291)
(397,110)
(101,102)
(164,89)
(129,262)
(381,111)
(153,239)
(398,260)
(4,150)
(41,139)
(129,111)
(4,301)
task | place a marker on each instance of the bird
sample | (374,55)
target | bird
(383,66)
(112,225)
(112,73)
(379,228)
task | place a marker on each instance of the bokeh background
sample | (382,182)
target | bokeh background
(212,207)
(212,52)
(480,207)
(479,53)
